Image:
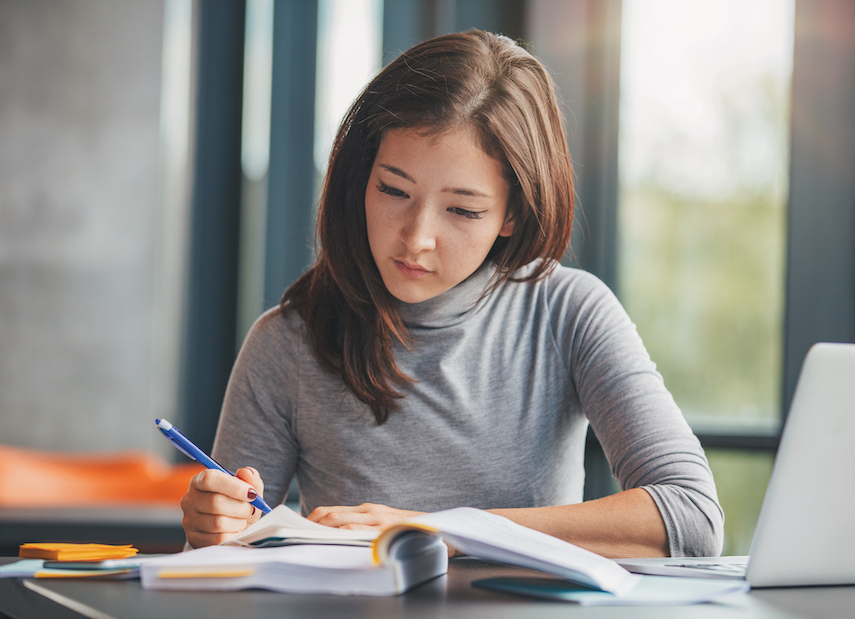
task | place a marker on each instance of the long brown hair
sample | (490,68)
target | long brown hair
(474,79)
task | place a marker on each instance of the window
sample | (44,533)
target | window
(349,54)
(703,159)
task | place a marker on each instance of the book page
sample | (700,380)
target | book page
(283,526)
(487,536)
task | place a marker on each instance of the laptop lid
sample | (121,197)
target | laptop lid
(805,533)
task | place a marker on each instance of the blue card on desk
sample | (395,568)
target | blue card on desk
(650,590)
(25,568)
(39,568)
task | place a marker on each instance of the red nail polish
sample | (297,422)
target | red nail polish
(251,494)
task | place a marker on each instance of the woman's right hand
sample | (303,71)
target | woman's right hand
(218,506)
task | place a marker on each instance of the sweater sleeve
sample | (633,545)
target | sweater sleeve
(256,426)
(645,437)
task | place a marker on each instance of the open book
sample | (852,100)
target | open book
(284,527)
(401,557)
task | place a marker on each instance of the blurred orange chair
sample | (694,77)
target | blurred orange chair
(32,478)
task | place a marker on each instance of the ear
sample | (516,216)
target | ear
(508,227)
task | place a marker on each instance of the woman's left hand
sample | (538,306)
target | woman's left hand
(365,516)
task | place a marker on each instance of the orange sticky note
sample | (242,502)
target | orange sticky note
(76,552)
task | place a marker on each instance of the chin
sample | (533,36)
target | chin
(408,293)
(412,298)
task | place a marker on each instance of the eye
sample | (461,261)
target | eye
(391,191)
(462,212)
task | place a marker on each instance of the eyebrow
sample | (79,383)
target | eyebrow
(455,190)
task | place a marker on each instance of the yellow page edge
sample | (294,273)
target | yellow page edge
(235,573)
(389,534)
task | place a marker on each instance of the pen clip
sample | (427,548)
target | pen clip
(179,447)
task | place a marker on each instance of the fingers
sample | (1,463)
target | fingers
(217,506)
(343,515)
(365,516)
(207,530)
(217,482)
(252,477)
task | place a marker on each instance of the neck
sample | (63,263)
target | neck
(452,306)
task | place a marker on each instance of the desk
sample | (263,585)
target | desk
(448,596)
(151,529)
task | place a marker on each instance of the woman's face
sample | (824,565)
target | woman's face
(434,206)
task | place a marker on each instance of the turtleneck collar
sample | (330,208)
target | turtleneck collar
(452,306)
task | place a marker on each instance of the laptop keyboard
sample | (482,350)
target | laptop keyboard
(735,569)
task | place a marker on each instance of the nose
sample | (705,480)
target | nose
(419,233)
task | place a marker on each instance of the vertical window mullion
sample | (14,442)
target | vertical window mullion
(291,182)
(212,281)
(820,291)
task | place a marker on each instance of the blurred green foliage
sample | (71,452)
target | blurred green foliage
(741,478)
(703,281)
(702,238)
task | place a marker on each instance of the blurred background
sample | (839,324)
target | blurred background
(160,162)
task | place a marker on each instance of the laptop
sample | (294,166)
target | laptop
(806,533)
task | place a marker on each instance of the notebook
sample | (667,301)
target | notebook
(804,535)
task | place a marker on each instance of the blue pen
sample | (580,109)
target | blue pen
(186,446)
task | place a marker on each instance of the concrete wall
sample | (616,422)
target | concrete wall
(81,225)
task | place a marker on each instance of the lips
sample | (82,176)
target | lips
(413,271)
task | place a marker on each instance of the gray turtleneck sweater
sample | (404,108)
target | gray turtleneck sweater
(505,389)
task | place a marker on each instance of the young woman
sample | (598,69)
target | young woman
(436,355)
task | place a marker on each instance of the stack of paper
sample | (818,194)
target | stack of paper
(38,568)
(304,568)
